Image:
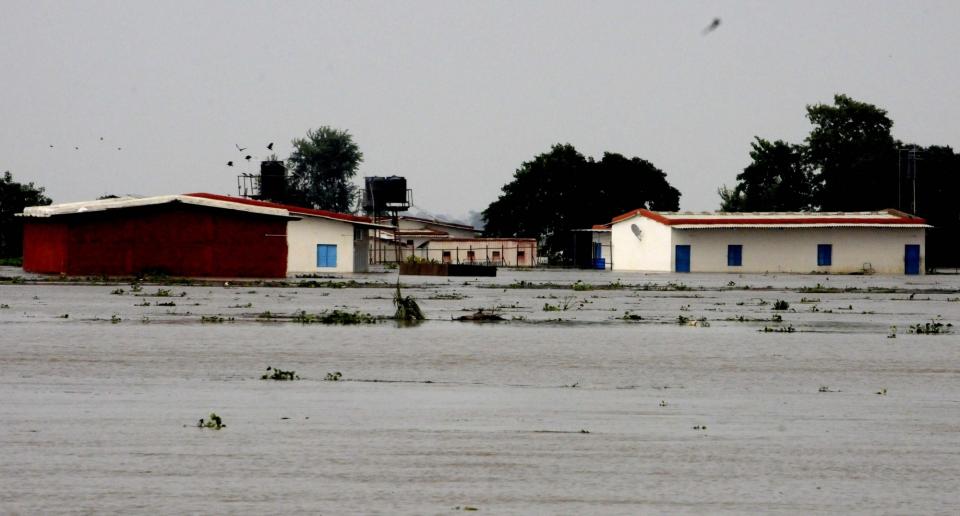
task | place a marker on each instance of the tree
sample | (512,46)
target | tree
(778,179)
(321,167)
(14,197)
(854,155)
(562,190)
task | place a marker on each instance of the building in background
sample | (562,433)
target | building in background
(196,235)
(884,242)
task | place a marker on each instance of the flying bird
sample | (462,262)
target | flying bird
(239,148)
(51,146)
(248,157)
(76,148)
(229,163)
(101,138)
(270,147)
(712,27)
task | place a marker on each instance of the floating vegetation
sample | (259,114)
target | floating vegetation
(166,303)
(776,318)
(136,287)
(781,305)
(117,292)
(4,306)
(64,316)
(248,305)
(930,328)
(780,329)
(213,421)
(333,377)
(807,300)
(627,316)
(279,374)
(330,317)
(882,392)
(215,319)
(145,303)
(700,323)
(824,388)
(266,316)
(407,307)
(115,319)
(893,333)
(481,316)
(562,306)
(454,296)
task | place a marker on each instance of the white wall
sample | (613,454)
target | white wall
(652,252)
(795,250)
(303,236)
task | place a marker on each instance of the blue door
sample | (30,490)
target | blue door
(683,258)
(911,259)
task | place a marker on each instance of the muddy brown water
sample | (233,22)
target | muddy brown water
(586,414)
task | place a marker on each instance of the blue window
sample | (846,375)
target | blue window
(824,254)
(326,255)
(734,255)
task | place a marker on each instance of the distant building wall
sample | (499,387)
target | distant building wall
(508,252)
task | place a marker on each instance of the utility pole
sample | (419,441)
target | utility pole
(912,159)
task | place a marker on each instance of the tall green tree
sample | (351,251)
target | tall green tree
(778,179)
(854,155)
(562,190)
(321,168)
(14,197)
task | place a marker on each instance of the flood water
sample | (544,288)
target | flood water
(563,408)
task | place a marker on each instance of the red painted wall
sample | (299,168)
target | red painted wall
(44,245)
(176,239)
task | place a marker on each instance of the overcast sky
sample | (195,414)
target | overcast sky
(453,95)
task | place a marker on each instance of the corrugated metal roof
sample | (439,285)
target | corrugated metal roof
(690,220)
(73,208)
(197,199)
(795,226)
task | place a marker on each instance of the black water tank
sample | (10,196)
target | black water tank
(273,181)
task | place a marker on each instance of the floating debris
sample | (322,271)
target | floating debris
(481,316)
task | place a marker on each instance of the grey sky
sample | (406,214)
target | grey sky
(453,95)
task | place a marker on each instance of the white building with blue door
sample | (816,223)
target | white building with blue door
(882,242)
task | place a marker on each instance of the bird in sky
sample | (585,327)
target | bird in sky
(101,138)
(270,146)
(712,27)
(248,157)
(76,148)
(239,148)
(51,146)
(229,163)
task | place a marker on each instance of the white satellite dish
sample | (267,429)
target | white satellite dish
(636,231)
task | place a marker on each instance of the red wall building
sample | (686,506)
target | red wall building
(170,236)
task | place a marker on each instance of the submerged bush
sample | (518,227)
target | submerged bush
(279,374)
(407,307)
(213,422)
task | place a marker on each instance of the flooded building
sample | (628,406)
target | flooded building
(197,235)
(884,242)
